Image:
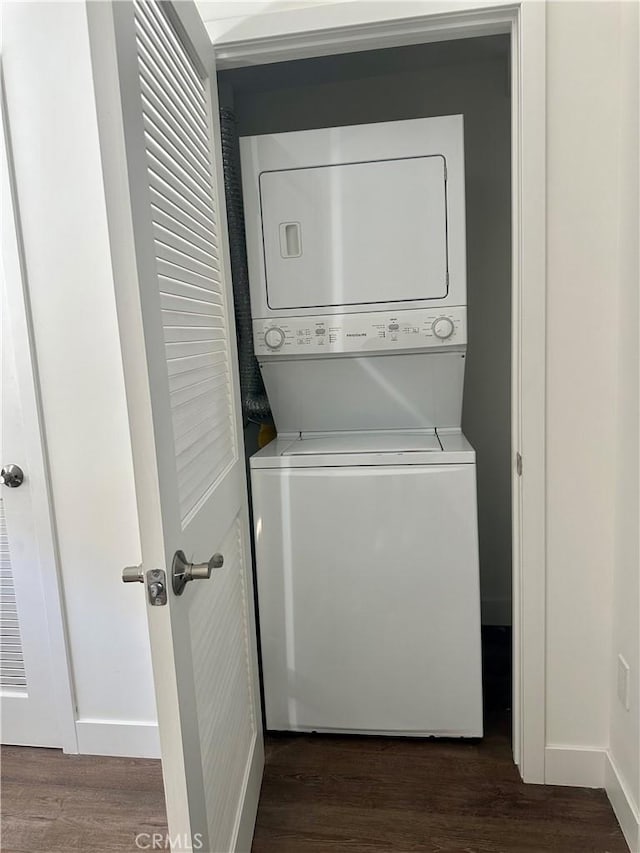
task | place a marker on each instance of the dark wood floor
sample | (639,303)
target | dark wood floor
(55,803)
(322,794)
(374,796)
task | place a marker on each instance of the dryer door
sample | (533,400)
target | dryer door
(355,233)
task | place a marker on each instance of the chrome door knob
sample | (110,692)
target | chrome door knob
(202,571)
(11,476)
(182,572)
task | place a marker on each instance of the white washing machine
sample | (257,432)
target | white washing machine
(367,564)
(365,505)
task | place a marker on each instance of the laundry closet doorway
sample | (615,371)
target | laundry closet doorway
(155,71)
(310,80)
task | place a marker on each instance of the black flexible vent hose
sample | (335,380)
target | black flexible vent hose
(255,406)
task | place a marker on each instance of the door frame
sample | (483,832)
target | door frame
(272,38)
(15,284)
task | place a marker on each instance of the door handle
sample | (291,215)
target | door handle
(11,476)
(132,574)
(182,572)
(156,581)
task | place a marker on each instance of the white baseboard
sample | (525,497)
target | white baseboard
(118,737)
(582,767)
(496,611)
(625,809)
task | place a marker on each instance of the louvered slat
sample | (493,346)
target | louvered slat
(186,261)
(183,334)
(183,191)
(190,363)
(162,151)
(183,349)
(168,199)
(193,377)
(177,142)
(190,291)
(178,227)
(197,394)
(175,319)
(156,127)
(161,28)
(180,273)
(12,671)
(172,124)
(170,236)
(172,89)
(219,641)
(186,89)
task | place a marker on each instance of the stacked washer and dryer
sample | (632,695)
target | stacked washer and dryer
(365,504)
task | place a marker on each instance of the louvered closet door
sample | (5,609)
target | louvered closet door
(157,109)
(28,689)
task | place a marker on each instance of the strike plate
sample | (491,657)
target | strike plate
(156,584)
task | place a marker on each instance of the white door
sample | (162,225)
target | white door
(33,663)
(158,114)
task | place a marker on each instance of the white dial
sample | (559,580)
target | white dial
(274,337)
(443,328)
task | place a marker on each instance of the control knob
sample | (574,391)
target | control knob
(274,337)
(443,328)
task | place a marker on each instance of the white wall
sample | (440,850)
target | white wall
(422,81)
(53,125)
(593,515)
(623,782)
(583,42)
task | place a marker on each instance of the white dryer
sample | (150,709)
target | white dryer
(365,505)
(353,219)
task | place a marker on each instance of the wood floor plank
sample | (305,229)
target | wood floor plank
(333,794)
(372,795)
(325,794)
(55,803)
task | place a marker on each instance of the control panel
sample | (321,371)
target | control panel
(376,331)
